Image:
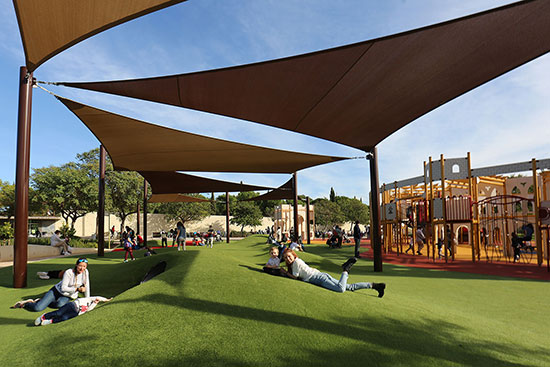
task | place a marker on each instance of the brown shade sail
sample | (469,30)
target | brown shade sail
(50,26)
(174,182)
(282,192)
(361,93)
(174,198)
(135,145)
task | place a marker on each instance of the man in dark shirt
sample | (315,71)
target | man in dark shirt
(357,237)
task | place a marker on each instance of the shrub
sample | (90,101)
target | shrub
(6,232)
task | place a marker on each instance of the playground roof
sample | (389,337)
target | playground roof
(182,183)
(282,192)
(174,198)
(49,27)
(135,145)
(361,93)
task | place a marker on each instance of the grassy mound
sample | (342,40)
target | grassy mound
(213,307)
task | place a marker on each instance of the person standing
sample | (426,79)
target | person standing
(420,240)
(163,238)
(210,239)
(357,237)
(181,236)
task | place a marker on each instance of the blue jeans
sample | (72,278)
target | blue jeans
(326,281)
(52,299)
(64,313)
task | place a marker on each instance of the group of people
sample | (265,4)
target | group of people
(64,296)
(298,269)
(131,242)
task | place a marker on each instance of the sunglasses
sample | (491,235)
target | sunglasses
(82,261)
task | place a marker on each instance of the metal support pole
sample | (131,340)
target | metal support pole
(536,197)
(447,237)
(22,179)
(375,200)
(227,216)
(137,218)
(308,237)
(101,204)
(145,212)
(295,199)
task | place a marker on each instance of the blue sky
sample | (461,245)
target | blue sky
(501,122)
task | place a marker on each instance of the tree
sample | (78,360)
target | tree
(267,207)
(186,212)
(67,190)
(353,209)
(6,232)
(125,190)
(328,213)
(246,213)
(220,204)
(332,196)
(7,201)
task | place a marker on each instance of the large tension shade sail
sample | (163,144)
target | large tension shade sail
(135,145)
(50,26)
(174,198)
(181,183)
(359,94)
(282,192)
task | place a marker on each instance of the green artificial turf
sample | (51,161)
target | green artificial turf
(213,307)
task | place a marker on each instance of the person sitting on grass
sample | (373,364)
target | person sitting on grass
(272,267)
(295,245)
(57,241)
(74,281)
(298,269)
(70,310)
(51,274)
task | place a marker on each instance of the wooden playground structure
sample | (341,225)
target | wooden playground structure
(478,214)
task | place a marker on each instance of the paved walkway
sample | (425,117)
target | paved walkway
(76,251)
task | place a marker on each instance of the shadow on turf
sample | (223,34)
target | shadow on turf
(259,269)
(386,341)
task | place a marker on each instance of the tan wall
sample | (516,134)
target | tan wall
(86,226)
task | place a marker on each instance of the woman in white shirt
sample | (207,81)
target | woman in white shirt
(298,269)
(74,281)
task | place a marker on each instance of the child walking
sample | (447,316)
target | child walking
(128,247)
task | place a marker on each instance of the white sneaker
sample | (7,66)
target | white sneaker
(39,273)
(39,320)
(46,322)
(45,277)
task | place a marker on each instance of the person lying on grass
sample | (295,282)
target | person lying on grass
(74,281)
(70,310)
(272,267)
(51,274)
(298,269)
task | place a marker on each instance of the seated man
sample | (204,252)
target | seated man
(57,241)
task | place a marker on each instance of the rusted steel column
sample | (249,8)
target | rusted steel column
(307,221)
(227,216)
(145,212)
(22,179)
(138,213)
(375,199)
(101,204)
(295,199)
